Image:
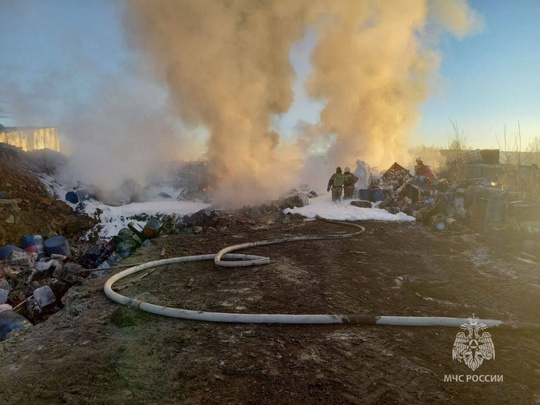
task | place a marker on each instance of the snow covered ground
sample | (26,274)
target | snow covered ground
(115,218)
(323,206)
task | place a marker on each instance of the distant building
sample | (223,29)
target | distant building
(30,138)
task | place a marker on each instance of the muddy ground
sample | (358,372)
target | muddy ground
(95,351)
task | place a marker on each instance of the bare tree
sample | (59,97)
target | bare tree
(513,159)
(457,147)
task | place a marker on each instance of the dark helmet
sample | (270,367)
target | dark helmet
(338,170)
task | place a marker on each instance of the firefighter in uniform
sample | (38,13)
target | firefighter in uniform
(348,184)
(336,184)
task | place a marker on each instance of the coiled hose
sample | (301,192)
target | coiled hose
(242,260)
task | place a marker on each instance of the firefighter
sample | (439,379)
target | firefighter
(423,170)
(348,184)
(336,184)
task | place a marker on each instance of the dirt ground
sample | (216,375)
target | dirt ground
(95,351)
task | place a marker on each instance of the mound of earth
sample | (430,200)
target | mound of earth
(26,206)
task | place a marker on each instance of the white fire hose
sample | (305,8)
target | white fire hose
(242,260)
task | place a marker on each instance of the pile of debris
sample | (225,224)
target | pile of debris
(509,218)
(34,281)
(33,286)
(249,217)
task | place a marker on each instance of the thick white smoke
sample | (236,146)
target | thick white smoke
(224,66)
(226,63)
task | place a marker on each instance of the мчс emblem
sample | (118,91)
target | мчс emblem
(471,347)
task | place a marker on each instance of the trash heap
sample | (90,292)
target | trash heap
(509,218)
(249,217)
(33,281)
(35,277)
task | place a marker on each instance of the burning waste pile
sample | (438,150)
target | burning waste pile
(509,216)
(36,275)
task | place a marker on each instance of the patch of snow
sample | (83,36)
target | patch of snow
(344,211)
(114,218)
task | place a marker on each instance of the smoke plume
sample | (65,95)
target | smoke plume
(226,64)
(79,77)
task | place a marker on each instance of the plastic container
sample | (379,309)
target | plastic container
(151,228)
(10,321)
(126,242)
(107,250)
(477,214)
(364,194)
(378,195)
(57,245)
(33,243)
(77,196)
(44,296)
(439,223)
(496,210)
(4,295)
(7,249)
(111,261)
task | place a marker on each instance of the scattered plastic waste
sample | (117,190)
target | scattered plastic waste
(7,249)
(126,242)
(33,243)
(10,320)
(151,229)
(21,258)
(4,294)
(113,259)
(107,250)
(44,296)
(57,245)
(77,196)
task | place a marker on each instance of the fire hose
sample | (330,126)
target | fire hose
(227,259)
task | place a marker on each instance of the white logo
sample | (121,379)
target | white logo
(472,347)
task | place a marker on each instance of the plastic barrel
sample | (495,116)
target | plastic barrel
(496,210)
(478,213)
(77,196)
(9,321)
(33,243)
(364,194)
(7,249)
(151,228)
(378,195)
(57,245)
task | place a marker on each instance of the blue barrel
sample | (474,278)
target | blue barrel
(77,196)
(364,194)
(7,249)
(57,245)
(378,195)
(10,320)
(33,243)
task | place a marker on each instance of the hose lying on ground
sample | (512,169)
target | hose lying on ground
(242,260)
